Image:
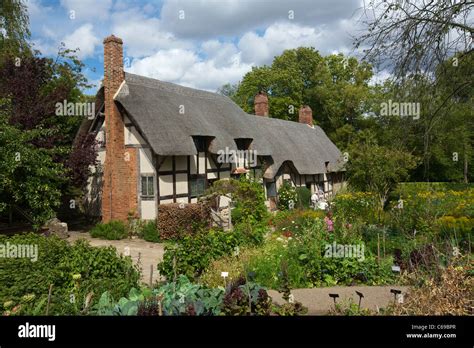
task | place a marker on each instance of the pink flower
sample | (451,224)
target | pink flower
(329,224)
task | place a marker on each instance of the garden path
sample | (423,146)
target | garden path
(318,302)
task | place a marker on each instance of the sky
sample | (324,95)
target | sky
(196,43)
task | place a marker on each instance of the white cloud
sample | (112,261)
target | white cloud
(222,54)
(278,37)
(186,68)
(85,10)
(84,39)
(167,65)
(205,19)
(143,35)
(217,42)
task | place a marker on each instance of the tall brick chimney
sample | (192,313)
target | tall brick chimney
(306,115)
(261,104)
(119,190)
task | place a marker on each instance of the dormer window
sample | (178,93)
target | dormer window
(202,143)
(243,143)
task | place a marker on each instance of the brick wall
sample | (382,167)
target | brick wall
(119,191)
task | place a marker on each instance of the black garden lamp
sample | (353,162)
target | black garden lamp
(395,292)
(361,295)
(334,296)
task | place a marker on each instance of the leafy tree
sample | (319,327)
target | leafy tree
(375,168)
(335,87)
(30,87)
(14,30)
(428,47)
(415,36)
(228,90)
(29,178)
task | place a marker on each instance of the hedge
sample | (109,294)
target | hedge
(176,220)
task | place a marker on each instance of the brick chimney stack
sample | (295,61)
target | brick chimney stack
(306,115)
(261,104)
(119,190)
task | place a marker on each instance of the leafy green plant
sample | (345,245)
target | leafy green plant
(183,297)
(350,308)
(248,199)
(194,253)
(305,251)
(304,197)
(173,298)
(74,271)
(246,298)
(289,309)
(111,230)
(287,196)
(125,306)
(149,232)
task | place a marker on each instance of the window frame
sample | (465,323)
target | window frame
(147,196)
(194,178)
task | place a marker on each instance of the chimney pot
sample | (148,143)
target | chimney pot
(113,38)
(261,104)
(306,115)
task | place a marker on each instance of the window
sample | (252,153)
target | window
(148,187)
(198,185)
(243,143)
(201,143)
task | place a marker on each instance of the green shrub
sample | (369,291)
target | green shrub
(74,271)
(287,196)
(356,206)
(149,232)
(304,251)
(248,198)
(194,253)
(304,197)
(112,230)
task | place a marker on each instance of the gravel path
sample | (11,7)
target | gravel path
(319,303)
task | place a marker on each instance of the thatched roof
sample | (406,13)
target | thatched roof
(154,106)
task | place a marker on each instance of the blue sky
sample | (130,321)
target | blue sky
(196,43)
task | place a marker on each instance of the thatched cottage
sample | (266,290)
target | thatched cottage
(163,143)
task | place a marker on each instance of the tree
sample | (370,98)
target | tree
(228,90)
(425,43)
(14,30)
(375,168)
(29,178)
(415,36)
(37,165)
(335,87)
